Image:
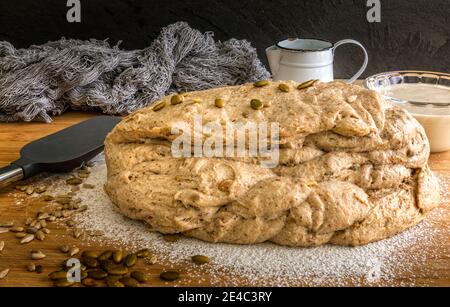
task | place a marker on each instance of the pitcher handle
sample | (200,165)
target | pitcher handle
(366,57)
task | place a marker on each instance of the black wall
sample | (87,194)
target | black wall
(413,34)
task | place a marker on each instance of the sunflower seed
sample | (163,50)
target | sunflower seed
(31,267)
(27,239)
(40,235)
(73,251)
(77,233)
(4,273)
(169,275)
(2,245)
(4,230)
(64,249)
(51,218)
(37,255)
(43,216)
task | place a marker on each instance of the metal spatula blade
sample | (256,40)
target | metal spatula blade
(60,152)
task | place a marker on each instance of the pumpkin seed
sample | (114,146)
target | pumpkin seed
(306,84)
(20,235)
(63,283)
(143,253)
(31,267)
(129,282)
(117,256)
(200,259)
(261,83)
(2,245)
(219,103)
(40,235)
(139,276)
(88,186)
(284,87)
(89,262)
(74,181)
(159,106)
(16,229)
(27,239)
(48,198)
(130,260)
(97,274)
(105,255)
(92,283)
(256,104)
(90,254)
(118,270)
(64,249)
(115,284)
(177,99)
(39,269)
(169,275)
(73,251)
(107,264)
(57,275)
(37,255)
(4,273)
(43,216)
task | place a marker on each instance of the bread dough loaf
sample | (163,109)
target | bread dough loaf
(352,169)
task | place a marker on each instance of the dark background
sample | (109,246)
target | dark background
(413,34)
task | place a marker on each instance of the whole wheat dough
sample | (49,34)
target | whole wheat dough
(352,170)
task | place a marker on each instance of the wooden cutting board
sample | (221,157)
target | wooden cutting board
(16,256)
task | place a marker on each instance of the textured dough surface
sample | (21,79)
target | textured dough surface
(352,169)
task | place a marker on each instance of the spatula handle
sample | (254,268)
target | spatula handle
(10,174)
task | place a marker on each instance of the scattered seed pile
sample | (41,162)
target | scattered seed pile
(268,264)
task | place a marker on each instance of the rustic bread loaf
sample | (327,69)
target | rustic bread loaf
(352,168)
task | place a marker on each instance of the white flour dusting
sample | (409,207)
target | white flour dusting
(269,264)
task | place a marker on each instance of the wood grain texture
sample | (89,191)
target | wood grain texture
(434,271)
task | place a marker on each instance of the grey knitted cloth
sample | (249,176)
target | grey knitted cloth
(46,80)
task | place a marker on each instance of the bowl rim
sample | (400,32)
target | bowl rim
(408,102)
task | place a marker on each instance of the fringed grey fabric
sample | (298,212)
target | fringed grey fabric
(46,80)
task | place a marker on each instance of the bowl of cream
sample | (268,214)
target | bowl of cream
(426,95)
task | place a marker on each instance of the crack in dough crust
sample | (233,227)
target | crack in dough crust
(353,169)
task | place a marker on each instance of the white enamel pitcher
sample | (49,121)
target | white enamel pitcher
(307,59)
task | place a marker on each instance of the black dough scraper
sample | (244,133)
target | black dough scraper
(60,152)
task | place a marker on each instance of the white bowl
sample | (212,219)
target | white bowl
(434,116)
